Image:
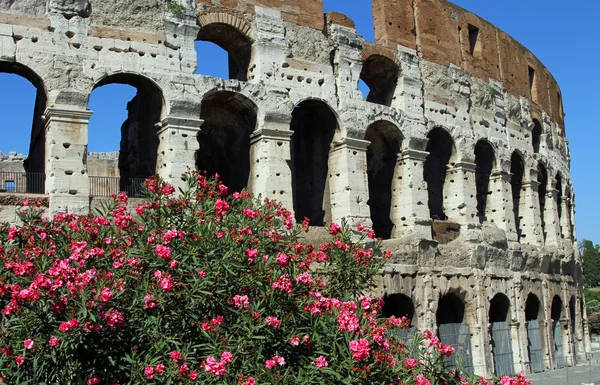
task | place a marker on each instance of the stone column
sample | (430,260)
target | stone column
(565,221)
(531,224)
(518,327)
(500,204)
(67,180)
(178,143)
(410,213)
(460,203)
(551,223)
(270,172)
(546,326)
(348,184)
(480,327)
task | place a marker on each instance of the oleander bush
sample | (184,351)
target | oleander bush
(200,287)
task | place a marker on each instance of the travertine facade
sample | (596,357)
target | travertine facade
(457,157)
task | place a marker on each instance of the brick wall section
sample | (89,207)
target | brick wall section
(308,13)
(394,23)
(439,30)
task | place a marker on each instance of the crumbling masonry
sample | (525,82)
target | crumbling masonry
(457,157)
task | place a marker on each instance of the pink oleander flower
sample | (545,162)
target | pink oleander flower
(28,344)
(360,349)
(295,341)
(421,380)
(93,381)
(321,362)
(273,321)
(241,301)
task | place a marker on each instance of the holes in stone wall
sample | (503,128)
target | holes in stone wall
(556,309)
(536,135)
(499,309)
(380,74)
(314,126)
(474,41)
(451,310)
(532,308)
(484,164)
(23,108)
(398,305)
(229,120)
(517,169)
(441,149)
(542,190)
(533,91)
(382,156)
(138,147)
(235,52)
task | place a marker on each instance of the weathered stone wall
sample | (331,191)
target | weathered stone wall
(438,74)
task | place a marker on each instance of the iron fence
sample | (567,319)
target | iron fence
(106,186)
(22,182)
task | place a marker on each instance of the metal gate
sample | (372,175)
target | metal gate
(406,335)
(458,335)
(502,349)
(574,340)
(534,346)
(558,344)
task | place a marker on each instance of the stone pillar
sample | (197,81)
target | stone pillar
(460,202)
(348,184)
(480,327)
(178,143)
(565,221)
(410,213)
(551,223)
(270,172)
(67,180)
(500,204)
(546,326)
(518,327)
(531,224)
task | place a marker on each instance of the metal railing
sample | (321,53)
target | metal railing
(106,186)
(22,182)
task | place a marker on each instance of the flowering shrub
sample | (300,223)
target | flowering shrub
(206,287)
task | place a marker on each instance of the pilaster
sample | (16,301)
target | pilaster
(348,184)
(410,213)
(500,204)
(67,181)
(460,203)
(270,172)
(551,222)
(531,224)
(565,221)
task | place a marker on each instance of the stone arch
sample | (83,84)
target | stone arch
(542,178)
(139,140)
(224,138)
(382,156)
(517,171)
(556,309)
(315,125)
(558,185)
(536,135)
(231,33)
(380,72)
(485,163)
(453,328)
(569,203)
(533,308)
(399,305)
(500,333)
(441,151)
(35,164)
(573,325)
(534,317)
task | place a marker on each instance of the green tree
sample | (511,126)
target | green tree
(591,262)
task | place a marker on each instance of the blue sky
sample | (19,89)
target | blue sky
(564,35)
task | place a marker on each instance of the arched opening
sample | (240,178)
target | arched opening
(229,120)
(138,146)
(517,169)
(534,335)
(484,164)
(555,315)
(501,335)
(573,324)
(22,160)
(454,330)
(569,196)
(382,156)
(558,201)
(536,135)
(542,190)
(440,148)
(380,74)
(314,125)
(398,305)
(235,51)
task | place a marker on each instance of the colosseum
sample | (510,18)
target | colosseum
(457,157)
